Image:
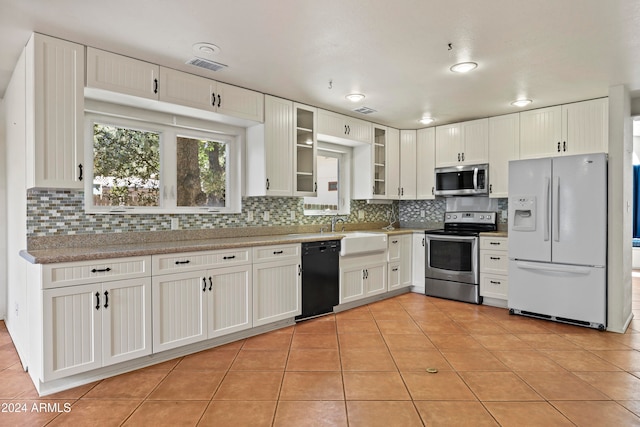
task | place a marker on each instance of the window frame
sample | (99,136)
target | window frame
(169,127)
(343,154)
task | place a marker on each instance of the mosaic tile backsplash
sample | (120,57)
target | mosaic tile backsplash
(61,212)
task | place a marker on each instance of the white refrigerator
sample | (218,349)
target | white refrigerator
(558,239)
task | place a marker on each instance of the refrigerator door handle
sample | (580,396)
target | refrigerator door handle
(556,209)
(475,178)
(557,268)
(546,208)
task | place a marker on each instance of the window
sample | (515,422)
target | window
(160,164)
(333,182)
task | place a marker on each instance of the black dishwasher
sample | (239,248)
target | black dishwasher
(320,278)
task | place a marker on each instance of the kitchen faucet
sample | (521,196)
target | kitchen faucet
(334,220)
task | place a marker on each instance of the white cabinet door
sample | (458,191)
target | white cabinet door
(277,293)
(229,300)
(339,127)
(541,132)
(448,140)
(394,248)
(406,260)
(331,124)
(504,132)
(305,151)
(352,283)
(55,113)
(392,169)
(126,320)
(375,279)
(475,141)
(393,282)
(72,330)
(179,310)
(585,127)
(408,159)
(270,151)
(358,130)
(418,260)
(186,89)
(117,73)
(238,102)
(426,162)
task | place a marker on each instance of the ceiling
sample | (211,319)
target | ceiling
(396,53)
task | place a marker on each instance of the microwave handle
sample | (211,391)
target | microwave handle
(475,178)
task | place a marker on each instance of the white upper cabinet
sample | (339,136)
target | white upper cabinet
(269,161)
(426,157)
(504,135)
(585,127)
(463,143)
(54,111)
(305,151)
(117,73)
(335,127)
(578,128)
(540,132)
(408,164)
(377,167)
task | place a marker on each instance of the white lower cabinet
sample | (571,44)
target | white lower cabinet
(89,326)
(418,261)
(400,261)
(362,276)
(193,306)
(494,261)
(277,283)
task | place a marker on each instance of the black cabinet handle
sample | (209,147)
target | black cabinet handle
(558,146)
(433,190)
(219,100)
(182,262)
(394,269)
(267,183)
(210,283)
(299,270)
(493,282)
(423,242)
(229,257)
(213,99)
(155,85)
(106,299)
(463,157)
(494,258)
(278,252)
(204,284)
(345,129)
(490,188)
(97,300)
(80,177)
(402,191)
(394,241)
(564,145)
(458,156)
(315,187)
(100,270)
(364,274)
(494,243)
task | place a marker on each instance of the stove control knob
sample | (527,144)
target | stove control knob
(481,216)
(448,216)
(455,216)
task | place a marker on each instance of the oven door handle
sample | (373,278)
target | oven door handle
(475,178)
(451,238)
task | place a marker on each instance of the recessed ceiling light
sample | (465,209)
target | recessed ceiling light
(521,102)
(205,49)
(427,120)
(464,67)
(355,97)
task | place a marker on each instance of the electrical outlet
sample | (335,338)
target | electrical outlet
(175,223)
(504,214)
(265,215)
(422,213)
(249,215)
(293,215)
(360,214)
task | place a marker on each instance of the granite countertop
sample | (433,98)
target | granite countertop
(106,251)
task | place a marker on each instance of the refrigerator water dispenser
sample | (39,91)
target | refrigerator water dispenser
(524,213)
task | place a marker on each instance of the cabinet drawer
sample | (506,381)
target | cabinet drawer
(190,261)
(84,272)
(494,243)
(496,262)
(394,248)
(277,252)
(494,286)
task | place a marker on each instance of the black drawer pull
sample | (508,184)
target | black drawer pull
(210,283)
(394,241)
(106,299)
(493,282)
(495,258)
(278,252)
(80,177)
(100,270)
(229,257)
(495,243)
(97,300)
(204,284)
(182,262)
(394,269)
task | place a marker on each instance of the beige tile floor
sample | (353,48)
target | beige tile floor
(367,367)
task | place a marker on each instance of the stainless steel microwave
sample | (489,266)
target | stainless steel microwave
(468,180)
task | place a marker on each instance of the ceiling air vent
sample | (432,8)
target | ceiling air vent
(365,110)
(206,64)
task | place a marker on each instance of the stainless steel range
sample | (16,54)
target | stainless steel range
(453,255)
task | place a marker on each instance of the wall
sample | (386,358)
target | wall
(61,212)
(3,214)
